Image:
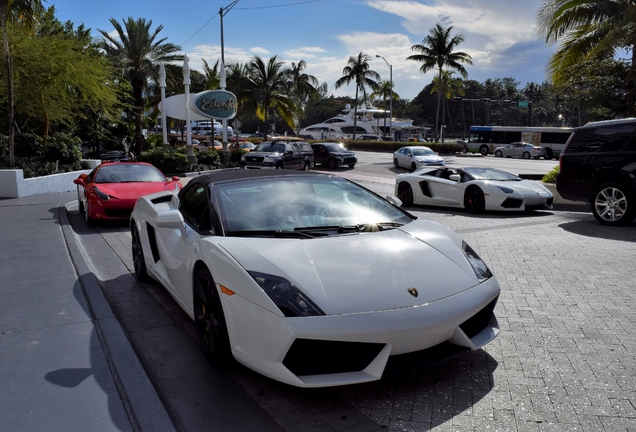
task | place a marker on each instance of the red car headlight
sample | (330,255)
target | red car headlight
(100,194)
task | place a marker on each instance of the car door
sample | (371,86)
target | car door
(444,191)
(321,155)
(292,156)
(177,246)
(404,157)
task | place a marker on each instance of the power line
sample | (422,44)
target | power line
(251,8)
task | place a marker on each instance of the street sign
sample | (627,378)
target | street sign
(236,124)
(522,104)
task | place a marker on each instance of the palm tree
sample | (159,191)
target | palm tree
(358,70)
(24,13)
(385,90)
(268,89)
(212,75)
(303,87)
(449,87)
(588,29)
(137,52)
(437,50)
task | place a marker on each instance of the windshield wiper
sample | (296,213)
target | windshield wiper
(269,233)
(375,226)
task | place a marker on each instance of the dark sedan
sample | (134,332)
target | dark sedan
(332,155)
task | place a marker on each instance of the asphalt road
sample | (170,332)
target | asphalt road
(565,360)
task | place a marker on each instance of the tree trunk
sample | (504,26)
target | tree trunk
(355,114)
(439,102)
(4,5)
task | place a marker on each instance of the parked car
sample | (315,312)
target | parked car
(370,138)
(332,155)
(111,190)
(475,189)
(206,145)
(414,157)
(280,154)
(598,165)
(256,259)
(520,149)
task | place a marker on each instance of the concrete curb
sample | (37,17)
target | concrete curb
(145,409)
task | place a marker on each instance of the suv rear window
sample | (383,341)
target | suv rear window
(602,139)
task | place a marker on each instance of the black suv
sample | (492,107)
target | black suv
(598,165)
(333,155)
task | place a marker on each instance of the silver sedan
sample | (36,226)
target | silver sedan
(520,149)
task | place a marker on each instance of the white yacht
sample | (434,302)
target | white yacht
(370,121)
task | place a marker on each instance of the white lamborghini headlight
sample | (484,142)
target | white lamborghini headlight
(505,189)
(479,267)
(289,299)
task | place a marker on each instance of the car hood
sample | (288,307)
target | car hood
(133,190)
(341,153)
(365,271)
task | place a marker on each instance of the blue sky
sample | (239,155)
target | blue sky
(500,35)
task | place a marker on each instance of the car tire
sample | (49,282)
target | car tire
(396,163)
(405,194)
(307,166)
(613,204)
(331,164)
(413,166)
(526,155)
(548,153)
(279,165)
(352,165)
(209,320)
(474,200)
(89,220)
(483,150)
(80,205)
(139,262)
(498,153)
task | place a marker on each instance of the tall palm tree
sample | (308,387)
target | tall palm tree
(358,70)
(137,52)
(449,87)
(23,13)
(303,87)
(384,91)
(588,29)
(268,89)
(437,51)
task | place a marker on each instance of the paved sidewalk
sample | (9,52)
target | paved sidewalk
(65,363)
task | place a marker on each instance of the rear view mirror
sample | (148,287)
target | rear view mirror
(393,200)
(170,219)
(455,177)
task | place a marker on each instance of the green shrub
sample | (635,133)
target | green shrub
(208,160)
(169,162)
(550,177)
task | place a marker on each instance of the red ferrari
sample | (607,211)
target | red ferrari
(111,190)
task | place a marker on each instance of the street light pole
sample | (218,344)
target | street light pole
(390,96)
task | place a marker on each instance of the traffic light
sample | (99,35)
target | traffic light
(457,99)
(485,100)
(507,101)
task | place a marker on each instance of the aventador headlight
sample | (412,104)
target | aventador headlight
(289,299)
(505,189)
(479,267)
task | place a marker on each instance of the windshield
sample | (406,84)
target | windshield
(286,204)
(271,147)
(336,148)
(422,151)
(127,173)
(490,174)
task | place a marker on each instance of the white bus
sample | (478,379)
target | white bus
(484,139)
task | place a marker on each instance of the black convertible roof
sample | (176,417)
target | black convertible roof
(230,174)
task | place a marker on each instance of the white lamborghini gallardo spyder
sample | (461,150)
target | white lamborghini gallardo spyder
(308,278)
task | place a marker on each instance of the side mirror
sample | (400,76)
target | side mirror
(455,177)
(80,180)
(393,200)
(175,178)
(170,219)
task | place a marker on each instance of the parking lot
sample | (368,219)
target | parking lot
(565,358)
